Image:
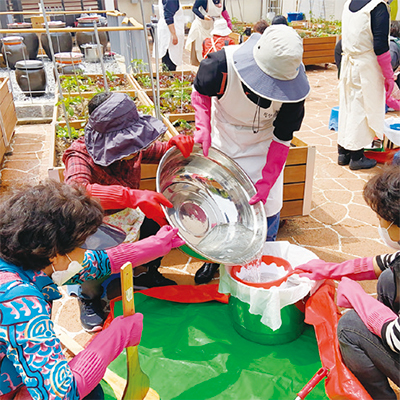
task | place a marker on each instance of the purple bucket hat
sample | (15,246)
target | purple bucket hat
(116,130)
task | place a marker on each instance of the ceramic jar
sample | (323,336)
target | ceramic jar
(14,50)
(61,41)
(69,63)
(31,77)
(89,37)
(31,40)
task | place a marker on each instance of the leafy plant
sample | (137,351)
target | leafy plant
(146,109)
(182,123)
(138,66)
(111,76)
(144,80)
(75,107)
(62,132)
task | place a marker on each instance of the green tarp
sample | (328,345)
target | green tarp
(191,351)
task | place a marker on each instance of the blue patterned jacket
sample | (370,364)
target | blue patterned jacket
(30,352)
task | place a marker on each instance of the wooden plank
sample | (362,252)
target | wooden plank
(293,174)
(319,40)
(297,155)
(307,200)
(3,89)
(10,120)
(3,149)
(293,191)
(292,208)
(148,184)
(319,60)
(319,53)
(319,46)
(148,171)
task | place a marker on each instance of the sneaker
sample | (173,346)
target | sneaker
(151,278)
(92,314)
(206,273)
(362,163)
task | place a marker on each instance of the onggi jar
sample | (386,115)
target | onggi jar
(14,50)
(69,63)
(31,77)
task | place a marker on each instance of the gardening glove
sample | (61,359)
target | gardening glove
(385,62)
(372,312)
(144,250)
(227,18)
(359,269)
(89,366)
(114,197)
(393,103)
(183,143)
(276,158)
(202,108)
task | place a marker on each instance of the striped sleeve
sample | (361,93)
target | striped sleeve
(385,260)
(391,334)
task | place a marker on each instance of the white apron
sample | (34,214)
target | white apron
(232,132)
(361,85)
(165,38)
(201,29)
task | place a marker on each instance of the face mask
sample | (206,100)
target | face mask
(60,277)
(384,234)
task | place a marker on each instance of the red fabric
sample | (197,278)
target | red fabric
(381,157)
(80,167)
(219,43)
(322,313)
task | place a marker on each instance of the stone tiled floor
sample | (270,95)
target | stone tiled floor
(340,225)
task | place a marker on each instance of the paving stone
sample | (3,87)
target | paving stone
(338,196)
(329,213)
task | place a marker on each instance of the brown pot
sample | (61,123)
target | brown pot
(89,37)
(61,41)
(14,50)
(31,40)
(69,63)
(31,77)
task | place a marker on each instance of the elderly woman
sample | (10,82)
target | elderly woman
(44,233)
(369,334)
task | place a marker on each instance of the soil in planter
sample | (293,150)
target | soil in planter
(167,81)
(184,127)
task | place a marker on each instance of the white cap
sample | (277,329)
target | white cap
(221,28)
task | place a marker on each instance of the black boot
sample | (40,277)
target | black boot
(151,278)
(359,161)
(343,155)
(205,273)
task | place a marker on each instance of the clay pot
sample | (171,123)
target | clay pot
(61,41)
(31,40)
(89,37)
(69,63)
(31,77)
(14,50)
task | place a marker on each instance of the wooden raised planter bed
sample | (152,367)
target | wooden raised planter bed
(319,50)
(8,116)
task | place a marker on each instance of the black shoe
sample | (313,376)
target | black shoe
(343,159)
(92,314)
(362,163)
(205,273)
(151,278)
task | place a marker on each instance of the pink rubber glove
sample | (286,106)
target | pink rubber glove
(115,197)
(227,18)
(89,366)
(393,103)
(276,158)
(372,312)
(385,62)
(202,107)
(183,142)
(359,269)
(144,250)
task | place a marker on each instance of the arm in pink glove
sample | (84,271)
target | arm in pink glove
(115,197)
(202,108)
(227,18)
(276,158)
(89,366)
(372,312)
(183,142)
(385,62)
(358,269)
(393,103)
(144,250)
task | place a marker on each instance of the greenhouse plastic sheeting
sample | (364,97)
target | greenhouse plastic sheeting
(191,351)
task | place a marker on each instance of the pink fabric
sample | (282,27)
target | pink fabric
(359,269)
(393,103)
(276,158)
(89,366)
(385,62)
(227,18)
(202,107)
(372,312)
(144,250)
(183,142)
(114,197)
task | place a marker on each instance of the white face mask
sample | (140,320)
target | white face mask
(60,277)
(384,234)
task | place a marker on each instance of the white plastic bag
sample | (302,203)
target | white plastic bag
(392,134)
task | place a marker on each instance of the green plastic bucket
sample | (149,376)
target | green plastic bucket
(251,328)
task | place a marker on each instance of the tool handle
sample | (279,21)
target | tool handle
(321,373)
(128,304)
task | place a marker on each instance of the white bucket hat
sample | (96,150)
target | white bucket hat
(271,65)
(221,28)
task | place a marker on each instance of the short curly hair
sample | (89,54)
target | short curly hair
(382,194)
(97,99)
(39,222)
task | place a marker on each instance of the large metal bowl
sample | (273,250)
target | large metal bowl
(210,197)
